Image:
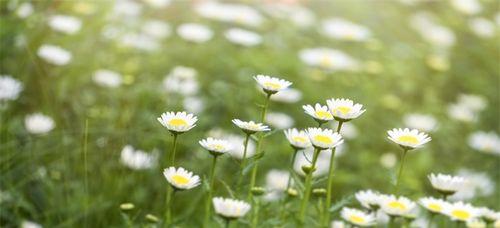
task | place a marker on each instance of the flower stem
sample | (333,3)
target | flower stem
(400,172)
(243,162)
(170,198)
(429,223)
(289,182)
(174,147)
(308,185)
(255,217)
(326,216)
(210,192)
(227,223)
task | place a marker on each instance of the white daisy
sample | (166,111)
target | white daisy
(460,211)
(489,215)
(324,138)
(65,24)
(476,223)
(107,78)
(446,184)
(344,109)
(193,104)
(38,123)
(243,37)
(357,217)
(435,34)
(304,159)
(178,122)
(230,208)
(388,160)
(337,224)
(279,120)
(250,127)
(289,95)
(229,12)
(478,184)
(341,29)
(181,80)
(139,41)
(271,85)
(467,6)
(408,139)
(30,224)
(487,142)
(196,33)
(482,27)
(54,54)
(462,113)
(10,88)
(421,122)
(277,180)
(215,146)
(432,204)
(396,206)
(328,59)
(156,29)
(24,10)
(297,139)
(320,113)
(368,199)
(474,102)
(237,147)
(137,159)
(180,178)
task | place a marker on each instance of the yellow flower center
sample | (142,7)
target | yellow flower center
(323,139)
(460,214)
(323,114)
(397,205)
(178,122)
(326,61)
(178,179)
(356,219)
(299,139)
(343,109)
(408,139)
(434,207)
(218,147)
(253,126)
(272,85)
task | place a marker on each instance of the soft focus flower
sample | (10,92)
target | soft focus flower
(250,127)
(320,113)
(181,80)
(388,160)
(432,204)
(271,85)
(337,224)
(408,139)
(461,113)
(10,88)
(65,24)
(276,183)
(178,122)
(357,217)
(230,208)
(180,178)
(482,27)
(304,158)
(137,159)
(139,41)
(435,34)
(126,9)
(298,139)
(297,14)
(466,6)
(107,78)
(487,142)
(473,102)
(328,59)
(54,54)
(233,13)
(446,184)
(156,29)
(344,109)
(193,32)
(421,122)
(489,215)
(396,206)
(460,211)
(24,10)
(193,104)
(342,29)
(237,148)
(324,138)
(243,37)
(215,146)
(289,95)
(368,199)
(279,120)
(158,3)
(30,224)
(476,224)
(38,123)
(478,184)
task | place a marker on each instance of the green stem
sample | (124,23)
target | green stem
(243,162)
(429,223)
(326,216)
(400,172)
(172,155)
(391,222)
(308,185)
(86,180)
(289,182)
(227,223)
(170,199)
(255,217)
(210,192)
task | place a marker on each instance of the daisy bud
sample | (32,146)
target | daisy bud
(320,192)
(258,191)
(308,169)
(127,206)
(151,218)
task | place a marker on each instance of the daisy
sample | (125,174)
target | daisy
(137,159)
(432,32)
(476,223)
(489,215)
(243,37)
(38,123)
(298,139)
(237,146)
(432,204)
(324,138)
(230,12)
(271,85)
(54,54)
(279,120)
(344,109)
(156,29)
(215,146)
(462,113)
(229,208)
(460,211)
(65,24)
(473,102)
(467,6)
(421,122)
(179,122)
(368,199)
(357,217)
(408,139)
(250,127)
(24,10)
(107,78)
(487,142)
(482,27)
(10,88)
(446,184)
(396,206)
(139,41)
(328,59)
(341,29)
(181,179)
(478,184)
(289,95)
(30,224)
(196,33)
(181,80)
(193,104)
(318,112)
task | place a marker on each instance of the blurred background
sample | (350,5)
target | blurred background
(117,65)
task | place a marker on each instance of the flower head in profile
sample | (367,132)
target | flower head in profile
(137,159)
(487,142)
(215,146)
(250,127)
(432,204)
(396,206)
(344,109)
(271,85)
(357,217)
(408,139)
(489,215)
(38,123)
(460,211)
(230,208)
(297,139)
(178,122)
(324,138)
(446,184)
(181,179)
(320,113)
(368,199)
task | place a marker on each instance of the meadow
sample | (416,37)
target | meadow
(84,85)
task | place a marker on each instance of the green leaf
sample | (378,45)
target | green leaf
(270,133)
(342,202)
(228,189)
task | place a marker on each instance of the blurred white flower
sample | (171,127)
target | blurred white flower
(461,113)
(357,217)
(158,3)
(297,14)
(304,158)
(279,120)
(243,37)
(396,206)
(30,224)
(478,184)
(225,12)
(126,8)
(487,142)
(65,24)
(181,80)
(476,223)
(54,54)
(107,78)
(230,208)
(446,184)
(193,104)
(388,160)
(38,123)
(337,224)
(139,41)
(237,147)
(137,159)
(328,59)
(474,102)
(432,204)
(466,6)
(348,131)
(10,88)
(156,29)
(368,199)
(342,29)
(289,95)
(482,27)
(432,32)
(24,10)
(421,122)
(276,183)
(193,32)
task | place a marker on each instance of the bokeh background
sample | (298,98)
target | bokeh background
(117,65)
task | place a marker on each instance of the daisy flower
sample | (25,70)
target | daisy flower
(215,146)
(324,138)
(408,139)
(421,122)
(341,29)
(271,85)
(357,217)
(396,206)
(344,109)
(460,211)
(279,120)
(10,88)
(489,215)
(230,208)
(65,24)
(38,123)
(137,159)
(181,179)
(54,54)
(368,199)
(250,127)
(297,139)
(289,95)
(318,112)
(196,33)
(178,122)
(432,204)
(107,78)
(487,142)
(329,59)
(446,184)
(243,37)
(476,223)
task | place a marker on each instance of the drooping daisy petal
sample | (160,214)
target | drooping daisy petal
(180,178)
(408,139)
